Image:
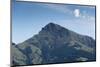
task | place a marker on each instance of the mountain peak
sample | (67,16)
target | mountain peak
(52,27)
(50,24)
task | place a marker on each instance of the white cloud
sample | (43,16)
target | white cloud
(77,13)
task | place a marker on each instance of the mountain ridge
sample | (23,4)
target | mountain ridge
(55,44)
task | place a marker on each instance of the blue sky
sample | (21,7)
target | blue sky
(29,18)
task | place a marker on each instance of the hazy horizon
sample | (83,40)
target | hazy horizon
(29,18)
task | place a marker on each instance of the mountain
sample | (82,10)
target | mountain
(54,44)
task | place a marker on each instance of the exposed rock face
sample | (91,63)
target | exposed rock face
(54,44)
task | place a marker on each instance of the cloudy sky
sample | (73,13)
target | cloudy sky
(28,18)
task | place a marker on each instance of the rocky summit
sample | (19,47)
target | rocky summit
(54,44)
